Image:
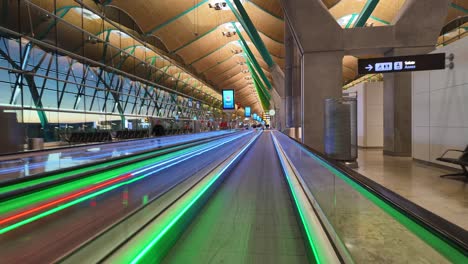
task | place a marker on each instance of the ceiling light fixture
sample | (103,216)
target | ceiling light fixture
(92,40)
(218,5)
(88,14)
(229,34)
(120,33)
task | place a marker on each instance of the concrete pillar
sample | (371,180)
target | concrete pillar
(288,76)
(397,107)
(417,24)
(278,101)
(319,40)
(397,114)
(323,43)
(297,88)
(322,78)
(296,93)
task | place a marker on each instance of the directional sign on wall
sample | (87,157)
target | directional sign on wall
(402,64)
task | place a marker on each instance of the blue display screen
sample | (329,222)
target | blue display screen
(255,116)
(228,99)
(247,111)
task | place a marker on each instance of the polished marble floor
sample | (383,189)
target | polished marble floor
(420,183)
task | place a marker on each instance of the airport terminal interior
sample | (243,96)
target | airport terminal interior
(234,131)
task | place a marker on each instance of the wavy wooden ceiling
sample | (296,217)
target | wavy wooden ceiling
(192,31)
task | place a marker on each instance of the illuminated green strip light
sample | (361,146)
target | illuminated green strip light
(424,234)
(181,213)
(21,185)
(296,202)
(37,197)
(265,103)
(84,198)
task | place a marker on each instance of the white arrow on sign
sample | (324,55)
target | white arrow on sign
(369,67)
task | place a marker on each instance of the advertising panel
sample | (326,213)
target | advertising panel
(228,99)
(247,111)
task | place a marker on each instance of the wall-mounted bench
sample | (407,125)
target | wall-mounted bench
(462,161)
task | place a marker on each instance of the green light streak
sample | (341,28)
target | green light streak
(210,146)
(21,185)
(436,242)
(296,202)
(185,208)
(36,197)
(64,206)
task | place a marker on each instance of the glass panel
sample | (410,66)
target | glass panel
(371,230)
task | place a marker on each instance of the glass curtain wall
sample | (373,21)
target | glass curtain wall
(56,79)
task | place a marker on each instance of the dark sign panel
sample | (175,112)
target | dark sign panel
(190,102)
(247,111)
(402,64)
(228,100)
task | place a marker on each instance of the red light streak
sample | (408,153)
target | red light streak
(63,199)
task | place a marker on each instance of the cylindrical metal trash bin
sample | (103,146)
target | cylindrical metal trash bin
(35,143)
(341,129)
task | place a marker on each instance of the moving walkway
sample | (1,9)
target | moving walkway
(248,197)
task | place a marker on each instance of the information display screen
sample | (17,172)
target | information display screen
(255,116)
(228,99)
(247,111)
(402,64)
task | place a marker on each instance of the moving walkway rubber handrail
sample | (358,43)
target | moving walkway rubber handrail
(231,167)
(301,197)
(160,151)
(447,231)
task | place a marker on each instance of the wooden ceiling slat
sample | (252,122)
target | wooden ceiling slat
(226,74)
(272,7)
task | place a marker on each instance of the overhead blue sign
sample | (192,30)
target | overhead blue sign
(228,100)
(255,116)
(247,111)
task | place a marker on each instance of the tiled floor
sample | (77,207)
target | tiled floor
(419,183)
